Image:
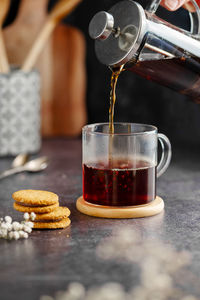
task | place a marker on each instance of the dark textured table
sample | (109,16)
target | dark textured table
(49,260)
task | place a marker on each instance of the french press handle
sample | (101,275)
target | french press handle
(194,16)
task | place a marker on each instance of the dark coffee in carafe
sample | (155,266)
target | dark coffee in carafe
(136,38)
(173,73)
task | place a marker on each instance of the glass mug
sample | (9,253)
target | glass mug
(120,169)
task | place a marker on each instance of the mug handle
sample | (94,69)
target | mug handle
(166,154)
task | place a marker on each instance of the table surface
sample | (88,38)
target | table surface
(49,260)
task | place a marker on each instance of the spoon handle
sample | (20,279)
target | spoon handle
(61,9)
(11,172)
(3,56)
(38,45)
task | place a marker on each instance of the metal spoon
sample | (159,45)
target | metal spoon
(34,165)
(20,160)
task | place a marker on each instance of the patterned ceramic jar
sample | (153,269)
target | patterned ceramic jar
(19,112)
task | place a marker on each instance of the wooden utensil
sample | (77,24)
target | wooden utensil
(4,65)
(19,38)
(61,9)
(61,65)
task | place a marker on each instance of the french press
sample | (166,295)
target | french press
(149,46)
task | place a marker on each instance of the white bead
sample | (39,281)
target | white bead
(76,290)
(16,230)
(33,216)
(25,235)
(16,226)
(11,235)
(1,233)
(26,216)
(20,227)
(9,226)
(29,224)
(4,234)
(27,229)
(8,219)
(21,233)
(16,235)
(4,225)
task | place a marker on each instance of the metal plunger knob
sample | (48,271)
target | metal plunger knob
(101,26)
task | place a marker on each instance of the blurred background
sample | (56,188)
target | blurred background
(138,100)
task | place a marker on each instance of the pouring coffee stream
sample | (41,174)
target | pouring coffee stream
(136,38)
(114,78)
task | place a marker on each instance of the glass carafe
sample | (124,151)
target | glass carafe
(149,46)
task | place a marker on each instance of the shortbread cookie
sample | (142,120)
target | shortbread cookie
(35,197)
(57,214)
(52,225)
(35,209)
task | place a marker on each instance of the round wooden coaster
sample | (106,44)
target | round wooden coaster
(140,211)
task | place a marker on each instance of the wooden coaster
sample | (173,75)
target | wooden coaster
(139,211)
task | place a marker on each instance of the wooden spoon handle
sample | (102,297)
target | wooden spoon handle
(3,56)
(31,10)
(38,46)
(4,65)
(61,9)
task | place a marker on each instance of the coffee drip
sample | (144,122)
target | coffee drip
(113,83)
(114,78)
(129,36)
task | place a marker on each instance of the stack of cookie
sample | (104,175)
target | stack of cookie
(45,205)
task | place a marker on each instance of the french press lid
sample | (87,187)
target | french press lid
(118,32)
